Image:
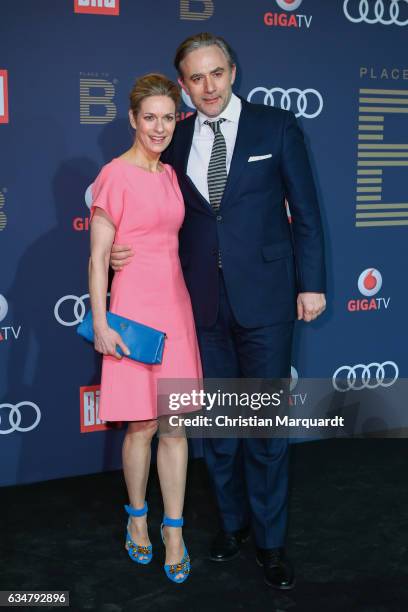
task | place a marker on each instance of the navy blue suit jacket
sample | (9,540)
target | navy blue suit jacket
(266,261)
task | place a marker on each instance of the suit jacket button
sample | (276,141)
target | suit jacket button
(219,217)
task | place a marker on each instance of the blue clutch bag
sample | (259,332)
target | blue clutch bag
(145,343)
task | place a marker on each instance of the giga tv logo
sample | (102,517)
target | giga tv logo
(81,224)
(289,19)
(369,284)
(97,7)
(7,332)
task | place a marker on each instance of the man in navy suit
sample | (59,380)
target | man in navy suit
(250,274)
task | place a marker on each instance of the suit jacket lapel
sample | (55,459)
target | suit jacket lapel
(185,141)
(246,137)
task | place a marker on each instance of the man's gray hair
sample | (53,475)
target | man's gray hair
(198,41)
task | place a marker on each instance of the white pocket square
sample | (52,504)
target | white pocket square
(259,157)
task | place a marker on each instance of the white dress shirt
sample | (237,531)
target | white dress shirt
(203,140)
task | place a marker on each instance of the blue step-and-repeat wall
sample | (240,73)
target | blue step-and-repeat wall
(66,68)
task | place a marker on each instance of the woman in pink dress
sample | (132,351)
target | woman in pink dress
(137,201)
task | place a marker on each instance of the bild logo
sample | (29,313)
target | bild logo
(97,7)
(289,19)
(4,112)
(369,283)
(89,410)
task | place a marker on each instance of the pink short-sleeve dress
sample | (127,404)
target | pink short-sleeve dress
(147,210)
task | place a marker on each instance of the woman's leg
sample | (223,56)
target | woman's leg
(136,453)
(172,455)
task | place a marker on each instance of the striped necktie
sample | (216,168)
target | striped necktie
(217,168)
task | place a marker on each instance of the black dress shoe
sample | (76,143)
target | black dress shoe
(278,571)
(227,544)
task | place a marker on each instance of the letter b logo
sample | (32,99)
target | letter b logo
(3,217)
(187,12)
(96,101)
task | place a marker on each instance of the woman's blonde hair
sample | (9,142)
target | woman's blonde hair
(152,84)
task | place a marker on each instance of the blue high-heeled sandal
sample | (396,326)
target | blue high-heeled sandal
(140,554)
(183,567)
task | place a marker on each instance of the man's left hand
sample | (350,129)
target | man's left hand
(310,306)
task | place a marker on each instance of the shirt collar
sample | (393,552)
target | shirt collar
(230,113)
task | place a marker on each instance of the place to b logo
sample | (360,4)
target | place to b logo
(189,12)
(4,112)
(381,198)
(3,216)
(97,7)
(96,101)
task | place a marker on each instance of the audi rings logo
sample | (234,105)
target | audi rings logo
(18,413)
(307,103)
(386,12)
(289,5)
(79,309)
(360,376)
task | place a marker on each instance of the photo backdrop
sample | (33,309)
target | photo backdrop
(66,69)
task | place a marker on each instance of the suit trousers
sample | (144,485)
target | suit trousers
(249,475)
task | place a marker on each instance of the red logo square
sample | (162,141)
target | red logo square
(4,112)
(97,7)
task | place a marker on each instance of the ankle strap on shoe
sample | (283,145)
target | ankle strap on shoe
(136,511)
(170,522)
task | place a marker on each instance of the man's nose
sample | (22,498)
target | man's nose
(209,84)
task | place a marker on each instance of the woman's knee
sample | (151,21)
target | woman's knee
(173,439)
(144,430)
